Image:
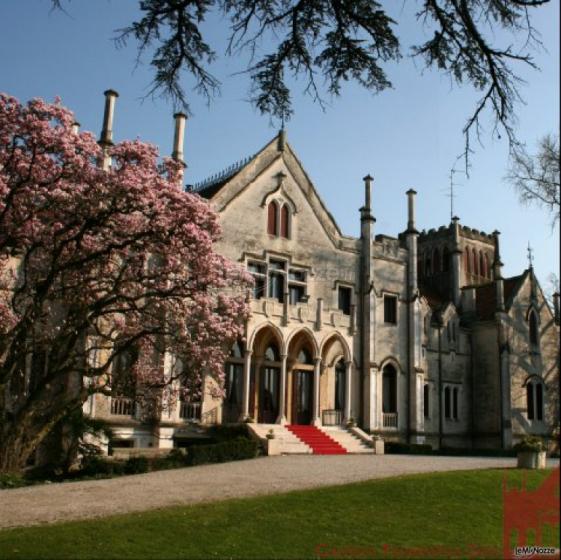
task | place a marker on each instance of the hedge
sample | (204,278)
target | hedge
(233,450)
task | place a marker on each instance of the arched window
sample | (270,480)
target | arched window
(272,218)
(236,350)
(285,222)
(426,402)
(445,260)
(233,384)
(455,403)
(272,354)
(534,399)
(487,265)
(475,266)
(436,261)
(533,323)
(467,257)
(447,403)
(428,267)
(389,390)
(340,385)
(482,269)
(304,357)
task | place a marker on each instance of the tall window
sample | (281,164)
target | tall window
(390,309)
(482,269)
(445,260)
(534,399)
(296,286)
(389,389)
(345,295)
(487,266)
(123,381)
(467,258)
(340,385)
(436,261)
(533,324)
(455,392)
(475,266)
(233,384)
(447,403)
(426,403)
(285,222)
(276,280)
(428,265)
(257,270)
(272,218)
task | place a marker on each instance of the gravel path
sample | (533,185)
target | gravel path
(49,503)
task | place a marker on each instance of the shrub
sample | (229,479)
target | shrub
(530,443)
(397,448)
(12,481)
(136,465)
(234,450)
(96,465)
(227,432)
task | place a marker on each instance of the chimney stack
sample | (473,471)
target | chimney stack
(75,127)
(411,210)
(106,138)
(367,192)
(179,137)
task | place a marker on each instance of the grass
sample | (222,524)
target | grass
(452,511)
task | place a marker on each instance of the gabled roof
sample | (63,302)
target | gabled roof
(226,186)
(486,297)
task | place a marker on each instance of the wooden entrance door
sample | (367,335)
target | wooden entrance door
(302,396)
(269,395)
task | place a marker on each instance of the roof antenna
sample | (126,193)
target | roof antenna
(452,185)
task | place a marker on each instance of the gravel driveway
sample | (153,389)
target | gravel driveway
(49,503)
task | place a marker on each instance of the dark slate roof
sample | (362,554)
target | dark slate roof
(212,185)
(486,300)
(433,296)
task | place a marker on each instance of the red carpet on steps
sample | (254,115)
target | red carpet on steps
(319,441)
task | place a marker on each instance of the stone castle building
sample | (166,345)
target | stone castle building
(417,338)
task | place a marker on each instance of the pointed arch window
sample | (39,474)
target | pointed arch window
(533,327)
(447,403)
(445,260)
(487,266)
(340,385)
(389,390)
(436,261)
(272,218)
(475,262)
(285,222)
(482,270)
(534,399)
(468,260)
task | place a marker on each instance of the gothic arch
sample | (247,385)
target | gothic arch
(306,334)
(275,332)
(329,340)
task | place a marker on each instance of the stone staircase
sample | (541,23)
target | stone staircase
(289,444)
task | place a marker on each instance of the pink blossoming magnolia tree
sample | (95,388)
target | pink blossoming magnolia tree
(96,266)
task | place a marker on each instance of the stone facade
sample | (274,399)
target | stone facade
(417,338)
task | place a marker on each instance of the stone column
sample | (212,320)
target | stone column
(316,421)
(246,383)
(348,385)
(282,392)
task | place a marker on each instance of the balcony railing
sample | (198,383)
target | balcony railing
(122,406)
(190,411)
(331,417)
(389,419)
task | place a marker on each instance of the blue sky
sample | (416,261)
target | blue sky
(406,137)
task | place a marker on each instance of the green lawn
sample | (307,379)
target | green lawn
(453,511)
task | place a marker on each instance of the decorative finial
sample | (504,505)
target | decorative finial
(530,257)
